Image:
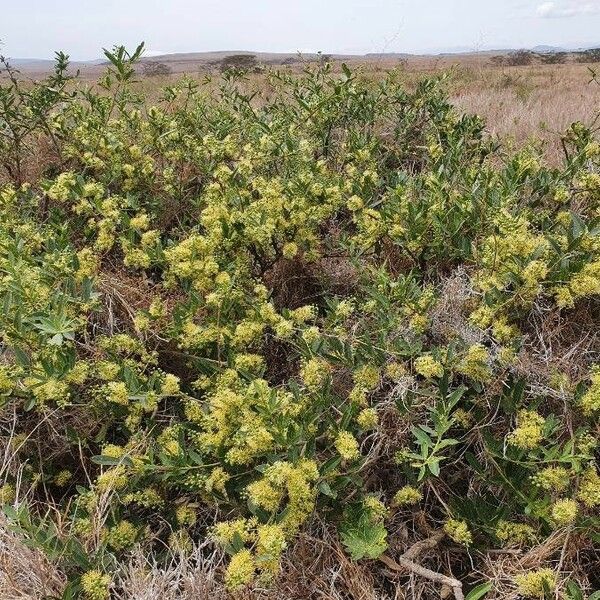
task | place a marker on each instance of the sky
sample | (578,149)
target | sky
(36,28)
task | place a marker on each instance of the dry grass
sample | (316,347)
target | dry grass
(25,573)
(315,567)
(521,104)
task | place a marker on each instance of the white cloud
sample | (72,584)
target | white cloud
(568,8)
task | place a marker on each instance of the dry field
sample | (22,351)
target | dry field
(526,103)
(519,104)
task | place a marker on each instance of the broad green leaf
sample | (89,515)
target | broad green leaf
(479,592)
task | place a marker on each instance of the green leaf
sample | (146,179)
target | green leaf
(421,436)
(325,489)
(434,467)
(21,357)
(237,542)
(574,591)
(195,457)
(112,461)
(11,513)
(56,340)
(479,591)
(362,536)
(447,442)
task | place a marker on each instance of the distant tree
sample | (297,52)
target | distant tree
(588,56)
(243,62)
(498,60)
(553,58)
(156,69)
(520,58)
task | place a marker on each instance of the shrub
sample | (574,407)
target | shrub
(498,60)
(179,351)
(519,58)
(156,69)
(554,58)
(588,56)
(243,62)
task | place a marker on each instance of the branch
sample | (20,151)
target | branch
(406,563)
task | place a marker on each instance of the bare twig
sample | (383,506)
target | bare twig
(406,563)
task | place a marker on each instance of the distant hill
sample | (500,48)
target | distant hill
(548,49)
(187,62)
(33,63)
(264,57)
(387,55)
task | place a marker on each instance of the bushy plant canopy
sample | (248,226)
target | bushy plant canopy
(241,306)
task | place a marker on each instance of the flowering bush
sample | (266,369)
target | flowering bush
(338,298)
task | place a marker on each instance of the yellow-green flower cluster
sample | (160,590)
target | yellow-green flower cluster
(536,584)
(95,585)
(509,251)
(475,364)
(590,401)
(117,392)
(314,373)
(121,536)
(170,385)
(514,534)
(589,488)
(270,544)
(407,495)
(564,512)
(347,446)
(429,367)
(458,531)
(552,479)
(62,478)
(375,507)
(112,479)
(226,531)
(236,419)
(268,541)
(281,480)
(366,377)
(529,431)
(7,494)
(147,498)
(367,418)
(185,515)
(180,542)
(240,570)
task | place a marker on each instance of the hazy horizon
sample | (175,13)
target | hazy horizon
(34,29)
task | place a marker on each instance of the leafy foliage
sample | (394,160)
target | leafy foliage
(260,308)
